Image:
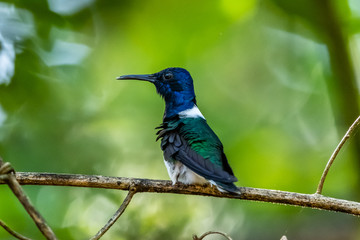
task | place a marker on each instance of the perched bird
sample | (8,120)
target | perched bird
(193,154)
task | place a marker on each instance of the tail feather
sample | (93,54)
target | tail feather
(226,187)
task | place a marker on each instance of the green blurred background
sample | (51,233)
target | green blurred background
(276,80)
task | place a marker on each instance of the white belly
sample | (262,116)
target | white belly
(178,172)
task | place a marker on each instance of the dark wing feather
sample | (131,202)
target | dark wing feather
(177,148)
(174,137)
(200,165)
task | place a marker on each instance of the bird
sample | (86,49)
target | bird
(193,153)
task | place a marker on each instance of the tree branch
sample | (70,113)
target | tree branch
(161,186)
(116,216)
(335,153)
(12,232)
(8,177)
(211,233)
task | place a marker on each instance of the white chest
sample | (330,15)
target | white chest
(193,112)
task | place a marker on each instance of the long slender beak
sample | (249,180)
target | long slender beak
(144,77)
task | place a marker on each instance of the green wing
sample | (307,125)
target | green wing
(192,142)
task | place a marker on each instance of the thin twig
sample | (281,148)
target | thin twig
(115,217)
(161,186)
(335,153)
(210,233)
(12,232)
(25,201)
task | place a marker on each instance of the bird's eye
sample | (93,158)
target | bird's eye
(168,76)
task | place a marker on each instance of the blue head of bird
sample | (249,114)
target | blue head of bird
(175,85)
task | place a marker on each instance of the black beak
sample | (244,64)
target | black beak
(145,77)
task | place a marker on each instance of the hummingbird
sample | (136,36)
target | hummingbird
(193,154)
